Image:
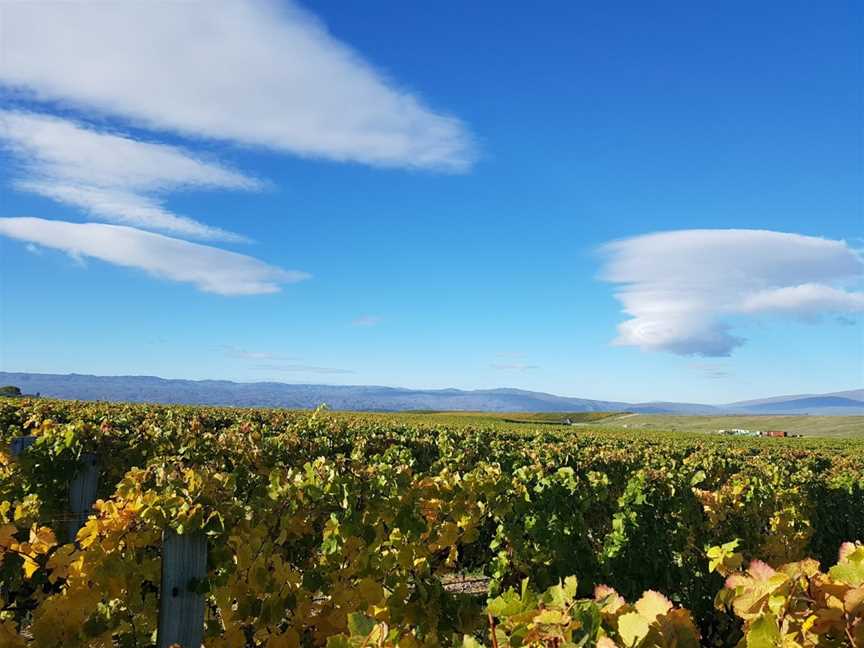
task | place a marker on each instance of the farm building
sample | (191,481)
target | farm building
(754,433)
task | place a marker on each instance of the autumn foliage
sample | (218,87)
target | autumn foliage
(345,530)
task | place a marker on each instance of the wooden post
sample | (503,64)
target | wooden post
(82,493)
(82,488)
(181,611)
(20,444)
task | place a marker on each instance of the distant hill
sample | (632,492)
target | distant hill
(273,394)
(375,398)
(822,404)
(853,395)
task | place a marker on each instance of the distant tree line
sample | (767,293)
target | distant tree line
(11,391)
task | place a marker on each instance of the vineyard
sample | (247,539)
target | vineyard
(327,529)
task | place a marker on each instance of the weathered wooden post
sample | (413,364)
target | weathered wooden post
(181,610)
(82,488)
(82,493)
(20,444)
(184,559)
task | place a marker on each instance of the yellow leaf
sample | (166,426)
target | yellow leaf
(63,562)
(447,534)
(854,601)
(89,533)
(30,566)
(653,604)
(42,539)
(609,598)
(552,617)
(632,628)
(380,613)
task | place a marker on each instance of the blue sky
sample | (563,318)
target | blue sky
(465,196)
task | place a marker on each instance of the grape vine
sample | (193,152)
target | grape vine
(349,530)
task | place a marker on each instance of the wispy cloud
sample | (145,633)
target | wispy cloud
(279,362)
(208,268)
(712,370)
(112,176)
(243,354)
(366,320)
(298,368)
(513,366)
(255,72)
(683,289)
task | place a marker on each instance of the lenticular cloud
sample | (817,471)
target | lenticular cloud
(208,268)
(684,289)
(255,72)
(110,175)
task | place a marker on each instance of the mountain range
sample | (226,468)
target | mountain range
(373,398)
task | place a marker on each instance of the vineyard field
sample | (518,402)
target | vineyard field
(839,427)
(810,426)
(338,529)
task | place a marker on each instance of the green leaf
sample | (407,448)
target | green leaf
(508,604)
(570,586)
(360,624)
(552,617)
(764,633)
(590,620)
(851,570)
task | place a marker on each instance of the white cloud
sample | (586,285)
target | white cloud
(208,268)
(684,288)
(253,72)
(111,175)
(805,299)
(366,320)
